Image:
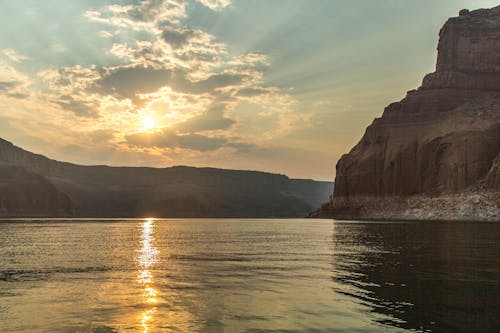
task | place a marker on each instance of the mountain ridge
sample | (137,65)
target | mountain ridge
(180,191)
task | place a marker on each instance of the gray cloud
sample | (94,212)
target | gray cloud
(243,148)
(177,38)
(100,136)
(11,89)
(251,92)
(79,108)
(220,81)
(8,85)
(171,139)
(212,119)
(127,82)
(18,95)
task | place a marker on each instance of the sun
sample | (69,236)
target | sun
(148,123)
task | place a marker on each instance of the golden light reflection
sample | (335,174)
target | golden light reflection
(146,318)
(147,257)
(145,277)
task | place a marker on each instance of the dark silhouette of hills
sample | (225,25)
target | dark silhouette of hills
(34,185)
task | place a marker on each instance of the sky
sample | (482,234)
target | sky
(284,86)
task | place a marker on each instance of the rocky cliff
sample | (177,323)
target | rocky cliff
(45,187)
(26,194)
(436,153)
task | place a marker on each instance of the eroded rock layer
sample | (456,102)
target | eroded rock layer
(441,141)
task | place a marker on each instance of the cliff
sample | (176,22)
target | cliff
(25,194)
(102,191)
(436,153)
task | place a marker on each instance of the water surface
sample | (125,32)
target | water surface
(230,275)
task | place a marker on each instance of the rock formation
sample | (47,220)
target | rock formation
(33,185)
(436,153)
(25,194)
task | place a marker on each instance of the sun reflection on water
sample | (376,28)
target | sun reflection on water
(147,257)
(146,318)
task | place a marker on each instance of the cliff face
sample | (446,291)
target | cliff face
(441,140)
(102,191)
(23,193)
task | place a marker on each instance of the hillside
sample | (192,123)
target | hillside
(102,191)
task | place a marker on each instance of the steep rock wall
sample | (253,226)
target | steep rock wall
(442,138)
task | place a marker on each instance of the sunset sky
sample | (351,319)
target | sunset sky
(284,86)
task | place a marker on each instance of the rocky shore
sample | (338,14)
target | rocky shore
(473,204)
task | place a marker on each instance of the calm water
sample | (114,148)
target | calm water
(248,276)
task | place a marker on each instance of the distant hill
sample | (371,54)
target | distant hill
(34,185)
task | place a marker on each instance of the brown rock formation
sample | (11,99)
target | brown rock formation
(441,140)
(23,193)
(493,177)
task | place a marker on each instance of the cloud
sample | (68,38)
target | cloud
(14,56)
(18,95)
(243,147)
(71,80)
(12,82)
(250,59)
(251,92)
(101,135)
(159,67)
(177,38)
(212,119)
(215,4)
(105,34)
(221,80)
(78,107)
(7,85)
(10,74)
(128,82)
(170,139)
(145,15)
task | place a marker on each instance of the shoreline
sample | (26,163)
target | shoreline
(480,206)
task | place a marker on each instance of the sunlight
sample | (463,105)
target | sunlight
(148,253)
(145,277)
(147,257)
(146,318)
(148,123)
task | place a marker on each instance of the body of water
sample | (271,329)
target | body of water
(234,275)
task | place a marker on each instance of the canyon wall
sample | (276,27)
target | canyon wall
(436,153)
